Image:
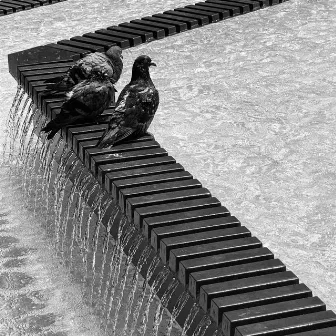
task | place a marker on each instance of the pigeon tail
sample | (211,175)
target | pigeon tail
(78,106)
(52,127)
(61,121)
(51,124)
(52,133)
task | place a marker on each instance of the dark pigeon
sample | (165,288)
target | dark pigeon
(135,107)
(87,100)
(109,62)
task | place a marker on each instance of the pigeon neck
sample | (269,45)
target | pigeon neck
(116,60)
(140,73)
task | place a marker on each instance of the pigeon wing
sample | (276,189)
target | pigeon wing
(80,71)
(134,112)
(116,129)
(146,105)
(91,98)
(84,66)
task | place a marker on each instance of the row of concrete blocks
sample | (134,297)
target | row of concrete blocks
(147,29)
(14,6)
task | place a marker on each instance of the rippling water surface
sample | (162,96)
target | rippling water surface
(37,294)
(247,106)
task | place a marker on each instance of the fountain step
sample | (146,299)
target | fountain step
(243,6)
(222,11)
(91,143)
(222,305)
(331,331)
(133,203)
(179,26)
(236,318)
(158,32)
(182,217)
(209,292)
(85,46)
(16,6)
(54,69)
(170,29)
(146,36)
(118,185)
(156,210)
(202,20)
(181,241)
(89,153)
(153,189)
(210,249)
(103,170)
(144,171)
(110,157)
(85,148)
(101,40)
(13,6)
(201,225)
(221,274)
(191,23)
(189,266)
(81,52)
(225,9)
(4,10)
(133,40)
(286,326)
(75,131)
(213,16)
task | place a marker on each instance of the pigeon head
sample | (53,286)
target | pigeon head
(98,73)
(114,52)
(141,67)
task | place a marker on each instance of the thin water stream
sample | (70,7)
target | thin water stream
(76,234)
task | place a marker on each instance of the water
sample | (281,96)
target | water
(73,230)
(37,292)
(257,94)
(76,235)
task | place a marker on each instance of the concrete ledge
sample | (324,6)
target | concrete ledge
(10,7)
(38,56)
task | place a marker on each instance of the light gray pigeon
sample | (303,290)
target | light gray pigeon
(85,102)
(109,62)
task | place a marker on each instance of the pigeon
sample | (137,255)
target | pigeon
(109,62)
(85,102)
(135,107)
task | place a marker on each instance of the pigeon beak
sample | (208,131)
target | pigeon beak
(152,63)
(121,56)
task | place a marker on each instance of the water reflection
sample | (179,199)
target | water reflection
(38,295)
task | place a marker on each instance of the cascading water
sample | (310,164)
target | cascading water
(162,305)
(105,249)
(57,189)
(135,245)
(190,318)
(202,326)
